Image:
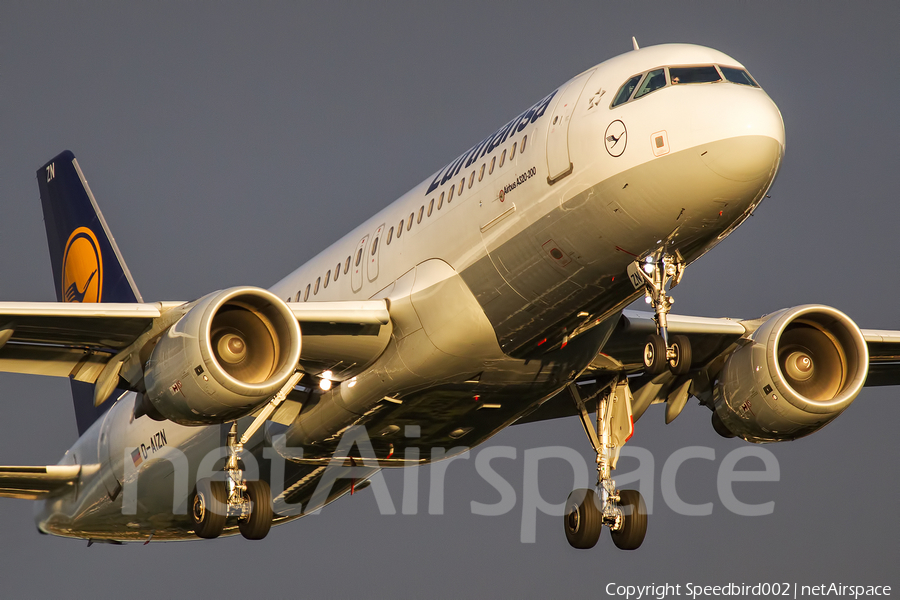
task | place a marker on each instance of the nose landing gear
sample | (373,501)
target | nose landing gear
(587,511)
(653,274)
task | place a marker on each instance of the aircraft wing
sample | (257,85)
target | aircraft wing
(35,483)
(77,340)
(712,341)
(884,357)
(67,339)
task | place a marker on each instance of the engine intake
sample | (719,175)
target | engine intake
(229,353)
(798,371)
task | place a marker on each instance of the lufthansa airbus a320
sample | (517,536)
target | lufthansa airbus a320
(492,293)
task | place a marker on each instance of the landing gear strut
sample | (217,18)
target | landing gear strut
(661,351)
(587,511)
(213,501)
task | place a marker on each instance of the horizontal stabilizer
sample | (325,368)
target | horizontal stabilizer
(35,483)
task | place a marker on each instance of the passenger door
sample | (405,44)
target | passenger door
(558,161)
(357,264)
(372,269)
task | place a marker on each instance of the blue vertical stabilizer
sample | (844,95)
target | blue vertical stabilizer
(87,264)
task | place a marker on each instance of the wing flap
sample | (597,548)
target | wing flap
(35,483)
(53,361)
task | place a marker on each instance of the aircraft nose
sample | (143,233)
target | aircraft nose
(750,129)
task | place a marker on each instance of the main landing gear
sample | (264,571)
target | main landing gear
(214,501)
(623,511)
(661,351)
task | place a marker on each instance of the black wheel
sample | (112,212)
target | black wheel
(208,508)
(654,354)
(257,525)
(582,521)
(634,526)
(680,364)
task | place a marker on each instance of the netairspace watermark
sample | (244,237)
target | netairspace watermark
(743,590)
(528,499)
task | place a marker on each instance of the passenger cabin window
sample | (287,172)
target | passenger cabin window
(327,277)
(390,236)
(624,92)
(462,186)
(524,141)
(297,297)
(503,158)
(471,179)
(481,173)
(512,152)
(704,74)
(409,221)
(306,293)
(430,207)
(738,76)
(316,289)
(356,262)
(654,80)
(399,228)
(374,247)
(346,265)
(493,160)
(450,194)
(441,201)
(337,271)
(421,212)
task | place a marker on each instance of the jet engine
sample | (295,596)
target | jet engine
(799,370)
(229,353)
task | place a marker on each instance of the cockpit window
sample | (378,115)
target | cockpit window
(653,81)
(625,91)
(705,74)
(738,76)
(656,79)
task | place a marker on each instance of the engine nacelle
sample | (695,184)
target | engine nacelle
(229,353)
(799,370)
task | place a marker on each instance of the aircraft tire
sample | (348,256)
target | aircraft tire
(582,521)
(257,526)
(655,354)
(208,508)
(634,528)
(681,363)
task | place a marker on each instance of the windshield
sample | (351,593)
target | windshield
(662,77)
(705,74)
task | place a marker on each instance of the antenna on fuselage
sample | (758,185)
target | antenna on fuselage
(634,42)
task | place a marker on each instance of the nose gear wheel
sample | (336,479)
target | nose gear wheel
(653,274)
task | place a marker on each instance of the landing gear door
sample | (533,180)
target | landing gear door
(558,162)
(622,422)
(358,264)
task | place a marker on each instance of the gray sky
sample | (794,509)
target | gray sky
(228,143)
